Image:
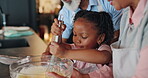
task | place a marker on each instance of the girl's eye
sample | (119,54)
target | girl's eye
(74,35)
(84,37)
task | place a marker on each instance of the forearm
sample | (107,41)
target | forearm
(85,76)
(89,55)
(77,74)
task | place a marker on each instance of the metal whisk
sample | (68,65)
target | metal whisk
(53,61)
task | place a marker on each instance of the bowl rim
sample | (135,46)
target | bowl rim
(32,56)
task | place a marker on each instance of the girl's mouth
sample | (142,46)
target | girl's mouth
(79,47)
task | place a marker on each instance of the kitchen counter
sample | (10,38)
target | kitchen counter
(36,47)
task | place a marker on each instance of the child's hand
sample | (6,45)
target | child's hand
(55,30)
(46,53)
(59,50)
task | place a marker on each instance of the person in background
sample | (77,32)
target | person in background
(71,7)
(130,53)
(91,44)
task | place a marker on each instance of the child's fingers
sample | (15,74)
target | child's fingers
(63,27)
(55,30)
(56,21)
(48,49)
(55,44)
(53,48)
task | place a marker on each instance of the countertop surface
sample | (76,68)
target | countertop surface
(36,47)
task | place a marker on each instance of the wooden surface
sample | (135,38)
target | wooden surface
(36,47)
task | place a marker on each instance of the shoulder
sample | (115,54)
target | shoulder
(144,23)
(106,4)
(105,47)
(124,19)
(64,11)
(125,15)
(109,8)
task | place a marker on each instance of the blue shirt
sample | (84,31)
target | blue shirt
(93,6)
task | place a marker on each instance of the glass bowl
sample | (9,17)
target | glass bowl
(37,66)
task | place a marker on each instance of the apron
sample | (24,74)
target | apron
(125,59)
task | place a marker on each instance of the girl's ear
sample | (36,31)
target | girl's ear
(101,38)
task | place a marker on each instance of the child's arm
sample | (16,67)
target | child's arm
(87,55)
(55,30)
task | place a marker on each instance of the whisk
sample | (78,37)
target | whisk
(54,60)
(57,39)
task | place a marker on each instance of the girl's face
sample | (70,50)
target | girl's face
(84,34)
(119,4)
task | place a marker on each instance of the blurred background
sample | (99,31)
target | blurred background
(37,14)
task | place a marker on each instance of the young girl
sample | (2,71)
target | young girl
(93,32)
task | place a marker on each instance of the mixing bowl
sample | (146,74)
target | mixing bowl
(38,66)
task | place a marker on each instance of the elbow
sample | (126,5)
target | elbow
(107,57)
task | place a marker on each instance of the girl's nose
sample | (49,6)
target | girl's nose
(78,41)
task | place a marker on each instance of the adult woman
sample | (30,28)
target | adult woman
(131,51)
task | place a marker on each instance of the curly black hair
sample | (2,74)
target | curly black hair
(102,21)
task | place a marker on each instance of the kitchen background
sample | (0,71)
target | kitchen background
(37,14)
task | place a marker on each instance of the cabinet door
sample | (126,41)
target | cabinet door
(19,12)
